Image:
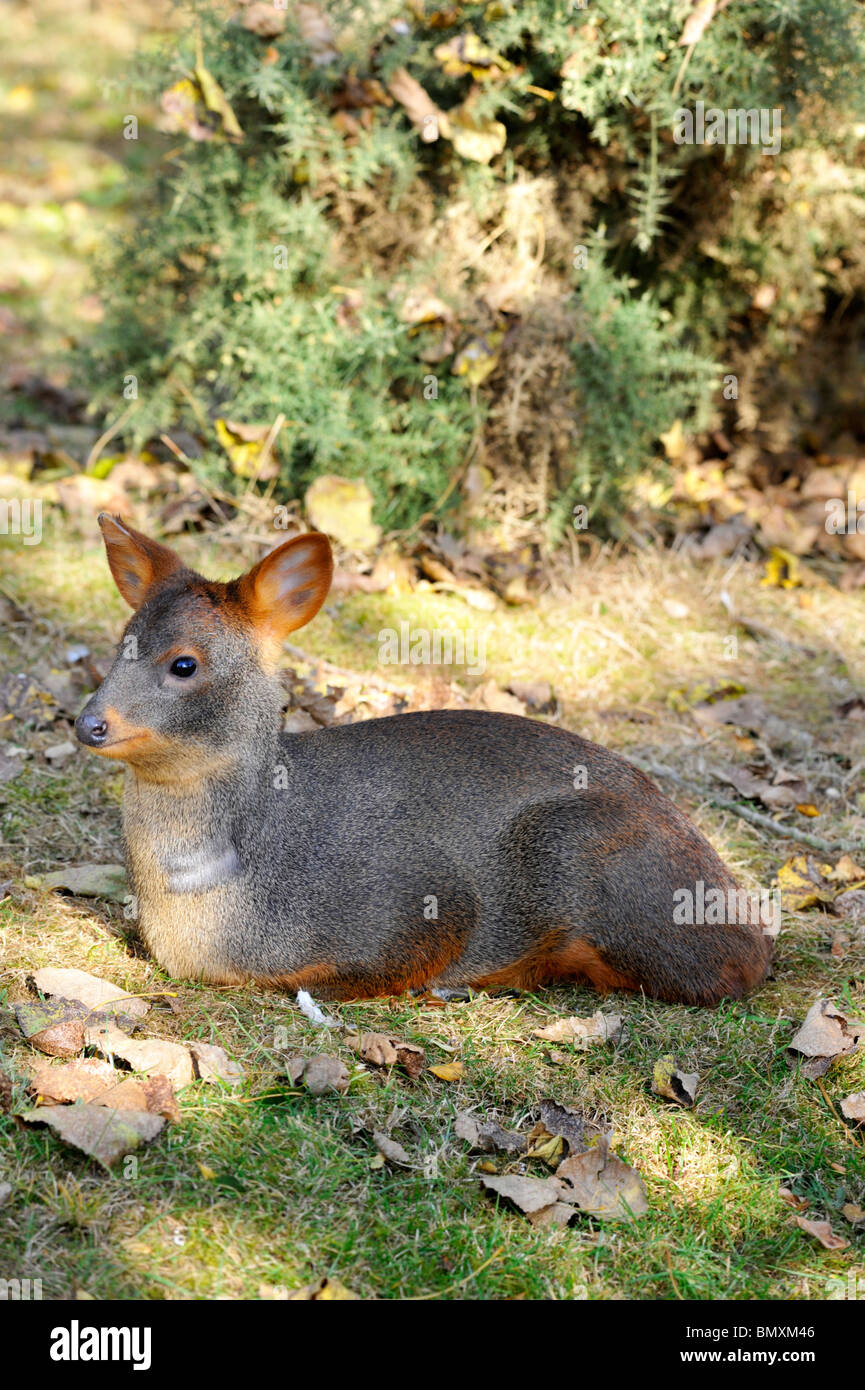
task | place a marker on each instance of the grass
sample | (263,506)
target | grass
(262,1191)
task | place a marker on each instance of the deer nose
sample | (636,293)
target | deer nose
(91,729)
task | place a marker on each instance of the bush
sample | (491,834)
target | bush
(289,270)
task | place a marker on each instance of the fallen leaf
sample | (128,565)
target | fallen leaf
(342,509)
(420,108)
(319,37)
(467,54)
(245,447)
(792,1200)
(559,1214)
(602,1184)
(479,358)
(486,1136)
(390,1149)
(477,139)
(98,1131)
(325,1073)
(853,1107)
(216,101)
(826,1033)
(264,20)
(802,885)
(89,990)
(697,22)
(326,1290)
(784,791)
(90,881)
(55,1028)
(822,1231)
(672,1084)
(583,1032)
(116,1090)
(447,1071)
(573,1127)
(846,871)
(376,1048)
(853,1213)
(529,1194)
(548,1147)
(673,441)
(169,1059)
(212,1063)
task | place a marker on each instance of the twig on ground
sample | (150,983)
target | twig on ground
(785,832)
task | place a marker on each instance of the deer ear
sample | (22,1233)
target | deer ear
(286,589)
(137,563)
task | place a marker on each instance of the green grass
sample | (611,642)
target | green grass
(269,1189)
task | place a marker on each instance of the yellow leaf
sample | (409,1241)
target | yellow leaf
(474,139)
(806,809)
(782,570)
(207,1173)
(448,1071)
(468,54)
(216,101)
(801,885)
(244,445)
(478,358)
(673,441)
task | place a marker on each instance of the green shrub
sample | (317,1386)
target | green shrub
(228,295)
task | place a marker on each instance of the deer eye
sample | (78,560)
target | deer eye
(184,666)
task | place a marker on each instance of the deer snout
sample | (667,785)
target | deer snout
(91,727)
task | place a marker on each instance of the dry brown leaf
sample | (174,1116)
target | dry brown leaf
(212,1063)
(89,990)
(573,1127)
(317,33)
(420,108)
(853,1107)
(697,22)
(853,1213)
(846,871)
(486,1136)
(264,20)
(602,1184)
(800,1203)
(95,1082)
(376,1048)
(672,1084)
(325,1073)
(583,1032)
(822,1231)
(529,1194)
(784,791)
(559,1214)
(826,1033)
(169,1059)
(97,1130)
(390,1149)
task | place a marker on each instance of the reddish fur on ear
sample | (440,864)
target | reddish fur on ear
(285,590)
(137,563)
